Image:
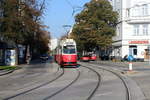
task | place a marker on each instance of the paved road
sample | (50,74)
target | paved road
(26,78)
(47,81)
(140,73)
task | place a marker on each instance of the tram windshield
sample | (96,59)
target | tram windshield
(69,49)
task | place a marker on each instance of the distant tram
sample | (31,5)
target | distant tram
(66,53)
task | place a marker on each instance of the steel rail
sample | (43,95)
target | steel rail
(98,83)
(37,87)
(128,94)
(59,91)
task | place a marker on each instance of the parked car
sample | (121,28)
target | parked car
(44,57)
(104,57)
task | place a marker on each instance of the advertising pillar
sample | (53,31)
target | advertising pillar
(10,57)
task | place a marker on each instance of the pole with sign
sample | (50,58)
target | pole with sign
(130,66)
(130,59)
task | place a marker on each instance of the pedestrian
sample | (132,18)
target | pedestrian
(28,59)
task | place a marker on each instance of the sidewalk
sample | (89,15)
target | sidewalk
(5,72)
(137,66)
(21,66)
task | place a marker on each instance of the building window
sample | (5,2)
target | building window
(136,11)
(135,51)
(140,10)
(136,30)
(128,12)
(117,0)
(118,31)
(145,29)
(132,50)
(145,10)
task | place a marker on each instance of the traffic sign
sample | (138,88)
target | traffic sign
(130,58)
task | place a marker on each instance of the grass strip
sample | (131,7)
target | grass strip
(8,67)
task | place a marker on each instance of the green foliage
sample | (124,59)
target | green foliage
(8,67)
(42,41)
(21,23)
(95,25)
(10,20)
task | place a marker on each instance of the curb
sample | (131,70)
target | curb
(5,72)
(129,72)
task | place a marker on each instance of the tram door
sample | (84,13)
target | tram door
(133,50)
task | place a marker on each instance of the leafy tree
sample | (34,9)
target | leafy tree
(42,41)
(95,25)
(21,23)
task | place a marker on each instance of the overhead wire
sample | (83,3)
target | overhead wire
(74,8)
(68,27)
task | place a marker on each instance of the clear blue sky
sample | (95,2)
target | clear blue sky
(59,13)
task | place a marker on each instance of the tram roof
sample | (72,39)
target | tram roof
(68,42)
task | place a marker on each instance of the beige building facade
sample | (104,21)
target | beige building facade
(133,30)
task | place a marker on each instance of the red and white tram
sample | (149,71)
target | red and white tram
(66,53)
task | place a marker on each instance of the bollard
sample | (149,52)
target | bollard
(130,66)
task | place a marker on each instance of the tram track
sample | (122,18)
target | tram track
(89,97)
(61,90)
(135,93)
(128,94)
(27,77)
(98,82)
(47,83)
(91,67)
(37,87)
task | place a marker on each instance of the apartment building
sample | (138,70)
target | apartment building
(133,29)
(53,44)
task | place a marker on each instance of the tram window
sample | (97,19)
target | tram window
(69,49)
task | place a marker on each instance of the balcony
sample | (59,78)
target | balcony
(140,19)
(138,14)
